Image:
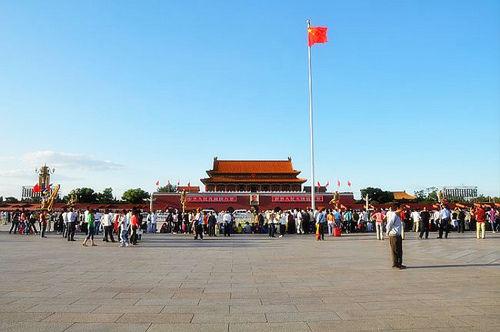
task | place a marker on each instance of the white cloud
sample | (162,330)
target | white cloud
(70,161)
(15,173)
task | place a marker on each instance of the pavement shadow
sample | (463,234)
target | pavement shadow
(451,265)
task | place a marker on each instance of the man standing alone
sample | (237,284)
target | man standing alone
(393,231)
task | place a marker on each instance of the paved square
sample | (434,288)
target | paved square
(249,283)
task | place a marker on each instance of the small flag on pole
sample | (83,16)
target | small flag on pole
(316,35)
(349,183)
(36,188)
(158,182)
(319,184)
(338,183)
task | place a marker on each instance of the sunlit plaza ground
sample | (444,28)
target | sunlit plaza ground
(249,283)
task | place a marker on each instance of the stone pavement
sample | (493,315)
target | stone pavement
(249,283)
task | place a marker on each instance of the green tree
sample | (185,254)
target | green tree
(106,197)
(35,199)
(135,196)
(83,195)
(169,188)
(427,195)
(11,200)
(377,195)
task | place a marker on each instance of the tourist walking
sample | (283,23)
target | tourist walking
(444,223)
(393,231)
(43,223)
(330,221)
(461,221)
(283,221)
(271,225)
(227,219)
(90,220)
(320,224)
(425,217)
(134,225)
(198,225)
(72,217)
(212,221)
(30,223)
(15,222)
(124,225)
(492,216)
(64,217)
(298,222)
(107,224)
(378,217)
(415,216)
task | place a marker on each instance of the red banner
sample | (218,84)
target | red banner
(289,198)
(211,199)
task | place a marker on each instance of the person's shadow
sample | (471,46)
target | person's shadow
(451,265)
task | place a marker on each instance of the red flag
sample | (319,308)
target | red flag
(36,188)
(348,183)
(316,35)
(319,184)
(338,183)
(158,182)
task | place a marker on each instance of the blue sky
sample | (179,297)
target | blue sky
(122,93)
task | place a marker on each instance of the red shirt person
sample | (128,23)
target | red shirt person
(480,220)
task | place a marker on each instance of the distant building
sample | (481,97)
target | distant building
(465,193)
(27,193)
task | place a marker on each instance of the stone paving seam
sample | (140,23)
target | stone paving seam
(69,326)
(116,320)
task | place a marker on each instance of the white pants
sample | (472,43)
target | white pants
(330,228)
(380,231)
(298,226)
(123,237)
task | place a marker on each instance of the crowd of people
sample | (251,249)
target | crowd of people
(198,222)
(126,225)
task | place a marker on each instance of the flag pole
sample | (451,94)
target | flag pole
(311,129)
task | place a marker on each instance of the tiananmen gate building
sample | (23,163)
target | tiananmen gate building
(253,176)
(242,184)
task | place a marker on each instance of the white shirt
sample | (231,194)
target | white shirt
(415,216)
(106,219)
(393,226)
(226,218)
(123,223)
(65,217)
